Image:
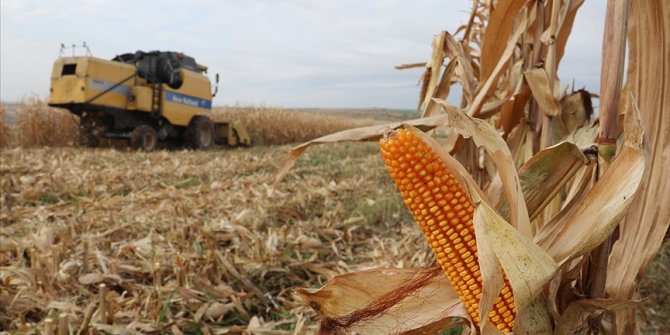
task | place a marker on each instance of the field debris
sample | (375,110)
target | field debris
(184,241)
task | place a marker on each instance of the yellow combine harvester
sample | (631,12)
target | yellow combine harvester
(146,97)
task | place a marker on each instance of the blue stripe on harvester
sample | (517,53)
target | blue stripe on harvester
(101,85)
(187,100)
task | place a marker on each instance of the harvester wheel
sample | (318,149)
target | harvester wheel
(143,138)
(200,133)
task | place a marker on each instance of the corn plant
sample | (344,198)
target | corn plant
(38,125)
(5,129)
(566,208)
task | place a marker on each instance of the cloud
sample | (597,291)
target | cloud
(292,53)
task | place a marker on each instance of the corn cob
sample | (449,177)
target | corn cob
(444,213)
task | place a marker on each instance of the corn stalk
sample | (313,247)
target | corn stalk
(647,90)
(611,77)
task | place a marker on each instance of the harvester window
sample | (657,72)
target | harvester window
(69,69)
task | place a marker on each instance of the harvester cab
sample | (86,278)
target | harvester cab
(144,97)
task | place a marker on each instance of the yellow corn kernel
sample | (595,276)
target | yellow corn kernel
(446,211)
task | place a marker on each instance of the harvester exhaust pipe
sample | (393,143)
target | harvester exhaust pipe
(216,86)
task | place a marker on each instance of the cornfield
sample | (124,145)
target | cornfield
(38,125)
(278,126)
(534,213)
(5,130)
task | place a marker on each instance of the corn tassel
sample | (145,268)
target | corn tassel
(444,213)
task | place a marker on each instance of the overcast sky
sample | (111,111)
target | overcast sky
(285,53)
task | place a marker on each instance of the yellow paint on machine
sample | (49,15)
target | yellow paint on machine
(194,87)
(77,80)
(82,80)
(142,101)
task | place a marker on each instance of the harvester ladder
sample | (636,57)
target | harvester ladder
(156,100)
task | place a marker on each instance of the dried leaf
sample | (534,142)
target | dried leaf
(535,319)
(64,306)
(648,85)
(410,66)
(497,34)
(95,278)
(486,87)
(566,28)
(543,176)
(591,221)
(584,137)
(575,316)
(7,244)
(539,85)
(487,137)
(350,303)
(217,310)
(114,329)
(435,66)
(527,267)
(442,90)
(468,80)
(512,112)
(516,143)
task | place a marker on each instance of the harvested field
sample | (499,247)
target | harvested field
(191,240)
(201,241)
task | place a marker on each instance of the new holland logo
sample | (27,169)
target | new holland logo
(188,100)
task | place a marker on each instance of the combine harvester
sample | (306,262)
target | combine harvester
(145,97)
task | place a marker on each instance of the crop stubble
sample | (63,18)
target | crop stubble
(190,238)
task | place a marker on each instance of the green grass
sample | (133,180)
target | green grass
(188,183)
(48,198)
(405,113)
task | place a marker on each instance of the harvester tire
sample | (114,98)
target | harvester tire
(200,133)
(144,138)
